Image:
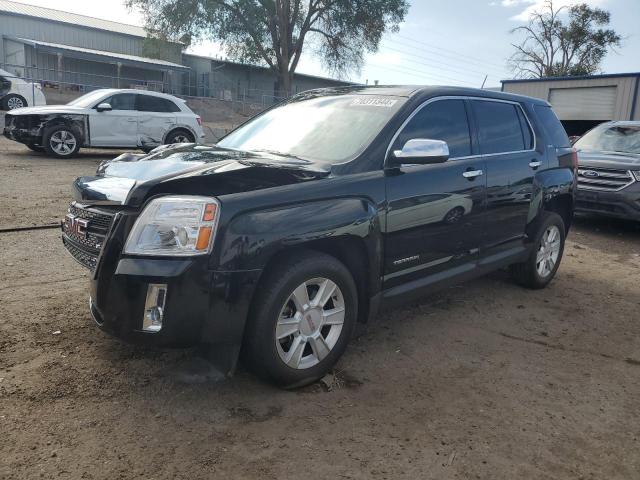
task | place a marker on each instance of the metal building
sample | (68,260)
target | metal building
(78,53)
(583,102)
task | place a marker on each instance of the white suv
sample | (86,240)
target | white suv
(16,93)
(109,118)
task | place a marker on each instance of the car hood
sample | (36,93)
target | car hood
(196,169)
(47,110)
(616,160)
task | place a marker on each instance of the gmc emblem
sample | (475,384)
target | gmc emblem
(76,226)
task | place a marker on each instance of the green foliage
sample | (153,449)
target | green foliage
(275,32)
(162,49)
(553,48)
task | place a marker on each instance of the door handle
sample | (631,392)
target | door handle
(534,164)
(471,174)
(131,120)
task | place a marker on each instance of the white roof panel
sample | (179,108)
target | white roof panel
(72,18)
(101,53)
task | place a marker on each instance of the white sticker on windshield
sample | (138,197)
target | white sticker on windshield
(366,101)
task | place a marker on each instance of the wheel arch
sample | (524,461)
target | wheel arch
(176,128)
(347,229)
(350,251)
(6,97)
(554,191)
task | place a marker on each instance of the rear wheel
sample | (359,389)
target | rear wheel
(61,141)
(301,320)
(13,101)
(541,266)
(179,136)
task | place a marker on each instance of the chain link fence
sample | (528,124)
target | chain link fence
(62,86)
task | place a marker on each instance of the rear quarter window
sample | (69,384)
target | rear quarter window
(552,126)
(148,103)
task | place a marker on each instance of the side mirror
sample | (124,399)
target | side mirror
(421,151)
(104,107)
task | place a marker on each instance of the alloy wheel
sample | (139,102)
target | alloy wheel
(310,323)
(15,102)
(63,142)
(548,251)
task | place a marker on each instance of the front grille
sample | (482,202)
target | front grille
(604,179)
(85,244)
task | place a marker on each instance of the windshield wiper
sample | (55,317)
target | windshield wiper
(280,154)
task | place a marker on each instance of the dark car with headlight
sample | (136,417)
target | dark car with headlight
(609,171)
(301,223)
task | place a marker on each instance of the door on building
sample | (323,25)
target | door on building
(156,116)
(117,127)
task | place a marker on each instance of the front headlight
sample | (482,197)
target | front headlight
(175,226)
(637,175)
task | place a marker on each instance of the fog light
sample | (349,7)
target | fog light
(154,307)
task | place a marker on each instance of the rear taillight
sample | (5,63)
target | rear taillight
(199,120)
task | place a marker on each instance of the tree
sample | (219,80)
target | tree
(275,32)
(553,48)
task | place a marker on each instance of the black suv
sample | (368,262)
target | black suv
(300,223)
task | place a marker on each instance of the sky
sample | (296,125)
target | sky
(452,42)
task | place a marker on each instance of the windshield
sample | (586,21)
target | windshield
(612,138)
(330,129)
(88,99)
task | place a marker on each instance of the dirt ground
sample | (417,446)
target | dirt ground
(481,381)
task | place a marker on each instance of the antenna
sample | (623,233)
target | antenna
(484,81)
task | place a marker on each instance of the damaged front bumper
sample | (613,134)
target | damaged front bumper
(176,302)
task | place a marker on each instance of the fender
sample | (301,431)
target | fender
(78,122)
(550,186)
(253,238)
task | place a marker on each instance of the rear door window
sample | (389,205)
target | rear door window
(444,120)
(499,127)
(148,103)
(552,126)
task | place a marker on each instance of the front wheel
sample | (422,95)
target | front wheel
(301,320)
(541,266)
(61,142)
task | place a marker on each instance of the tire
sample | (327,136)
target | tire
(303,332)
(536,274)
(13,101)
(61,141)
(35,148)
(179,135)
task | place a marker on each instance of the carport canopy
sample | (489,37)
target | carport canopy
(101,56)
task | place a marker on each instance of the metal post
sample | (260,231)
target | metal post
(60,72)
(119,66)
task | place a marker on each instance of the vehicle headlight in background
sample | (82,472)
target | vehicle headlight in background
(637,175)
(175,226)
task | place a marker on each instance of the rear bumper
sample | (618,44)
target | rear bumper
(623,204)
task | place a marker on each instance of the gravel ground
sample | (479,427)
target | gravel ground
(484,380)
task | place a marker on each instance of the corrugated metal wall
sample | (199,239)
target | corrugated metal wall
(625,87)
(75,35)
